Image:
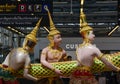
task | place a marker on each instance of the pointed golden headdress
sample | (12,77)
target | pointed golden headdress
(32,35)
(53,30)
(83,24)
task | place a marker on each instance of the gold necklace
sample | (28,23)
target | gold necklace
(55,52)
(84,44)
(22,50)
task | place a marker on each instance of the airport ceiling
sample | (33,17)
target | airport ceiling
(102,15)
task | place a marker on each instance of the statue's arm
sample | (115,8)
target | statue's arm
(26,69)
(109,64)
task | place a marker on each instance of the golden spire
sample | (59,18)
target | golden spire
(53,30)
(32,35)
(83,24)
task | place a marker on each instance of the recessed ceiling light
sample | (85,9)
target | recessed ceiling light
(18,0)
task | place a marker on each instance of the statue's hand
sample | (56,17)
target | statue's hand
(118,69)
(37,79)
(57,71)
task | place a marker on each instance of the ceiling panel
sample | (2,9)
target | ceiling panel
(102,15)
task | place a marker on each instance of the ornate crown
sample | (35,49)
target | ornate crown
(83,24)
(32,35)
(53,30)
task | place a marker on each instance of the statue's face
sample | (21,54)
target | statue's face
(57,38)
(30,44)
(91,35)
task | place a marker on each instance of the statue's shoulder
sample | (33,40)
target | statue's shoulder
(21,50)
(46,48)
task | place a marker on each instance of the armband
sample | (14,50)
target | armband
(101,55)
(43,53)
(26,67)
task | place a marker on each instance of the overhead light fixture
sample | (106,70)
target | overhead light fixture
(19,0)
(46,29)
(71,8)
(13,29)
(9,27)
(32,13)
(113,30)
